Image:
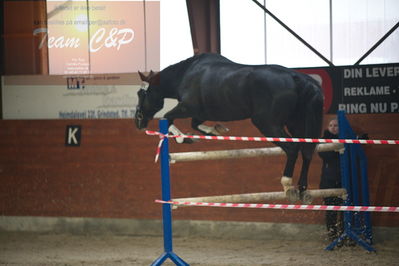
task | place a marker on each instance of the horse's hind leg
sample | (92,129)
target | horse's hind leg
(291,150)
(307,150)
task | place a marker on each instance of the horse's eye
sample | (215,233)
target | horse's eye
(141,93)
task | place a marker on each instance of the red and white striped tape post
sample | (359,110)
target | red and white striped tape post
(267,139)
(285,206)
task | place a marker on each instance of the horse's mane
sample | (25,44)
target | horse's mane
(181,66)
(174,72)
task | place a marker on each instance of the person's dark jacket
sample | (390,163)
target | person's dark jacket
(330,172)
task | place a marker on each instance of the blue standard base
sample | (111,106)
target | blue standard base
(355,238)
(169,255)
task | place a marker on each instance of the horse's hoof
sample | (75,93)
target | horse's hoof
(188,141)
(306,198)
(292,195)
(220,129)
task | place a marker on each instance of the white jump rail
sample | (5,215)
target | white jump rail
(308,196)
(241,153)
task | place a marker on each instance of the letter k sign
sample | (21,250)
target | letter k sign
(72,135)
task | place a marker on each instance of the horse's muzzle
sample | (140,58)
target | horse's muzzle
(140,124)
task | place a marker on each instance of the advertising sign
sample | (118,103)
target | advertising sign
(90,37)
(368,89)
(72,97)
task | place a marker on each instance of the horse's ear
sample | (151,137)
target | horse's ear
(155,78)
(143,77)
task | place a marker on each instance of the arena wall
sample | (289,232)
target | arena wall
(112,173)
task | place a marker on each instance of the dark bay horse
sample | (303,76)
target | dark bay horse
(280,102)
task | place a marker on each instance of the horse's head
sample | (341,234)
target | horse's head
(150,99)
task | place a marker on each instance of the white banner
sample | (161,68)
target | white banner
(57,97)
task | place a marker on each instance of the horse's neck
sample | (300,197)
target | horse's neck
(170,80)
(172,77)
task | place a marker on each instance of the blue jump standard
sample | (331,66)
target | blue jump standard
(357,225)
(166,208)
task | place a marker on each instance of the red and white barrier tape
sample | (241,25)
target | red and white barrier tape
(159,148)
(272,139)
(267,139)
(286,206)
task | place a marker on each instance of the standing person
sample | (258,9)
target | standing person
(331,178)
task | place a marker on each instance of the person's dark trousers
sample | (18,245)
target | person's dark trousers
(334,219)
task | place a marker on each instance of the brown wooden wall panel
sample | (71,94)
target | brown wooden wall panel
(21,18)
(113,174)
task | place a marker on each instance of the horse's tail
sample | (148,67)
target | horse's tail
(313,114)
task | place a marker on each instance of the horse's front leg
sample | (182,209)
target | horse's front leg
(179,111)
(307,150)
(291,150)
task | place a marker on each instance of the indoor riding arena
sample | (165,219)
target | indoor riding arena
(199,132)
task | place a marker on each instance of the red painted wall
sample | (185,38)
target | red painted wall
(112,173)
